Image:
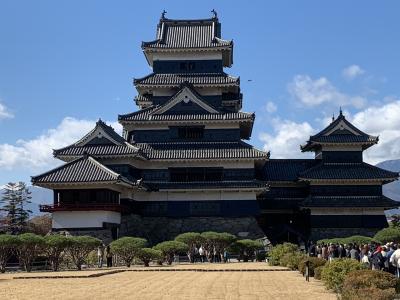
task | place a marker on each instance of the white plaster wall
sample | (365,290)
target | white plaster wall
(229,164)
(344,211)
(193,196)
(84,219)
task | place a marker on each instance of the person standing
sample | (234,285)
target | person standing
(109,256)
(100,254)
(395,261)
(201,253)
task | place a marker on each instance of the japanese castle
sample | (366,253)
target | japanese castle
(182,163)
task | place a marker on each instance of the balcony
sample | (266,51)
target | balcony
(83,207)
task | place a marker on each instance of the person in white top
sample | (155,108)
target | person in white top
(395,261)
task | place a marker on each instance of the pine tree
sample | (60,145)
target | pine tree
(15,198)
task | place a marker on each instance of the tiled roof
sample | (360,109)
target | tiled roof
(286,169)
(158,185)
(336,171)
(200,150)
(340,136)
(98,150)
(344,138)
(107,129)
(146,115)
(197,79)
(350,201)
(172,34)
(82,170)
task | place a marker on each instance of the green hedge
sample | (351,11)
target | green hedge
(355,239)
(318,272)
(369,284)
(335,272)
(390,234)
(292,260)
(278,251)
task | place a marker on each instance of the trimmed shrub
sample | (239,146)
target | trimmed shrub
(192,239)
(170,248)
(292,260)
(146,255)
(8,244)
(369,284)
(318,272)
(315,262)
(335,272)
(216,240)
(79,248)
(55,246)
(29,247)
(390,234)
(279,251)
(247,248)
(127,248)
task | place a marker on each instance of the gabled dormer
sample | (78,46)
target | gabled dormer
(340,142)
(101,142)
(186,100)
(101,134)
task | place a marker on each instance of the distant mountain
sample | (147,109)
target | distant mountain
(39,196)
(391,190)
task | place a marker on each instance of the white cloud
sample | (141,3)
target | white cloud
(287,138)
(315,92)
(384,121)
(36,154)
(5,113)
(352,72)
(271,107)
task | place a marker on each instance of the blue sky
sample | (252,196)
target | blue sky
(64,64)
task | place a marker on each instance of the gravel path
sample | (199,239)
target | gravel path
(170,285)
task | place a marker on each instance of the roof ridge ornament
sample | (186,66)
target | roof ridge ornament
(340,112)
(163,14)
(215,15)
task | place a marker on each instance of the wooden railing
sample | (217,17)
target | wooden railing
(83,207)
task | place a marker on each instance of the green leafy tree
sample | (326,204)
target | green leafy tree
(8,244)
(192,239)
(390,234)
(55,246)
(146,255)
(127,248)
(79,248)
(14,200)
(29,247)
(170,248)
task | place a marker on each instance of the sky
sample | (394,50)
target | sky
(64,64)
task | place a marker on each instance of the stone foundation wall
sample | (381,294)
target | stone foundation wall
(102,234)
(157,229)
(327,233)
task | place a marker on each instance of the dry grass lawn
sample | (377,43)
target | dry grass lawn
(170,285)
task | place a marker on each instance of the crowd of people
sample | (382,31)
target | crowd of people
(375,256)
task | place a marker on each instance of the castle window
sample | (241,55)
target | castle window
(195,174)
(190,133)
